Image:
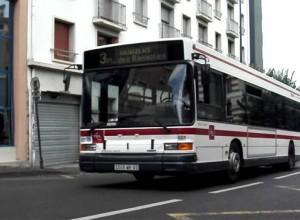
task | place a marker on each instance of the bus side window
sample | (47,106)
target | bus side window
(209,95)
(235,100)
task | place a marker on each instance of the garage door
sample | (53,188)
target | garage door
(59,127)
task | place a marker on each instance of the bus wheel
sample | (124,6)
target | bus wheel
(235,163)
(144,177)
(290,165)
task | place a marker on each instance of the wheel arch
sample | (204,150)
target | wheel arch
(240,148)
(291,149)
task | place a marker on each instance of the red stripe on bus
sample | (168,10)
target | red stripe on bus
(191,131)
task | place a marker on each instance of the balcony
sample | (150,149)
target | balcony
(111,15)
(168,31)
(231,55)
(232,28)
(204,11)
(63,55)
(218,14)
(140,19)
(205,43)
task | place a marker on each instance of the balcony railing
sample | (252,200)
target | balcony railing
(232,28)
(204,10)
(63,55)
(218,14)
(205,43)
(186,35)
(168,31)
(140,19)
(233,56)
(111,14)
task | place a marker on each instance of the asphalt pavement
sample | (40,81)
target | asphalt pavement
(28,171)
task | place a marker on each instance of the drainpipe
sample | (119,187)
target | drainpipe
(241,36)
(30,75)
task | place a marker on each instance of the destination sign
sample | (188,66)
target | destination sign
(134,54)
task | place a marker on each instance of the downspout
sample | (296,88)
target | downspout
(30,75)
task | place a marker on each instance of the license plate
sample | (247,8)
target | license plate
(129,167)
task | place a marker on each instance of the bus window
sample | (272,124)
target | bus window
(235,100)
(139,96)
(96,94)
(255,106)
(209,96)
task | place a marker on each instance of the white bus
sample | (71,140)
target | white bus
(174,106)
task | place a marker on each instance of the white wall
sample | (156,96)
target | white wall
(81,12)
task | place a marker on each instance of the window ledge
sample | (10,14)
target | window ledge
(33,63)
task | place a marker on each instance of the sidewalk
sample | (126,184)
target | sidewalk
(26,171)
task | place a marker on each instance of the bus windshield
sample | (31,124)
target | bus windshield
(138,96)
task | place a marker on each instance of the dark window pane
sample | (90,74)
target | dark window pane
(235,101)
(5,128)
(5,88)
(209,95)
(5,54)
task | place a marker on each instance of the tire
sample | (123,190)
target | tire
(234,163)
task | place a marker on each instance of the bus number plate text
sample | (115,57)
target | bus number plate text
(130,167)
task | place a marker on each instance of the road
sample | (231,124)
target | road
(262,193)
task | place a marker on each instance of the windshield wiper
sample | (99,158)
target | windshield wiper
(162,125)
(98,125)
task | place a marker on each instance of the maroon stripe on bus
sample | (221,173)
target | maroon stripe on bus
(190,131)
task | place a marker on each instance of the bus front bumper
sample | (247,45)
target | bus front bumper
(152,163)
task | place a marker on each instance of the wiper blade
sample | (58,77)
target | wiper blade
(162,125)
(98,125)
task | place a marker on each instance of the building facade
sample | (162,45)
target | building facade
(48,40)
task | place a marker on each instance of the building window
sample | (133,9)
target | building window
(186,26)
(243,55)
(165,15)
(104,40)
(63,44)
(242,24)
(218,42)
(166,26)
(231,49)
(230,12)
(217,10)
(140,14)
(6,79)
(202,37)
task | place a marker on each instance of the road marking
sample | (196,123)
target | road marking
(235,188)
(67,176)
(285,176)
(128,210)
(186,216)
(297,188)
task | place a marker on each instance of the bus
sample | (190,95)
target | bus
(174,106)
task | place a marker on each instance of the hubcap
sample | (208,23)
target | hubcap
(234,162)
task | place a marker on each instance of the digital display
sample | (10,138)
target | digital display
(134,54)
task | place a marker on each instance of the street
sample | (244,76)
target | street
(262,193)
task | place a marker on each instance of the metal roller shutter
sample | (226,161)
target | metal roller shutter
(59,127)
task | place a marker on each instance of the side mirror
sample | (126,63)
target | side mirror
(67,76)
(67,81)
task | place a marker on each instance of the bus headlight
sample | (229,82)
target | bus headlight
(178,146)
